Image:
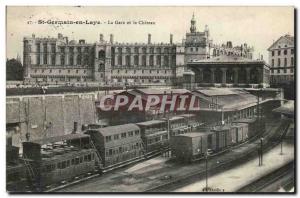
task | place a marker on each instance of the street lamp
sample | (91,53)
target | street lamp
(206,172)
(261,150)
(281,152)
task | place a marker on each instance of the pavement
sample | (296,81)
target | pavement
(238,177)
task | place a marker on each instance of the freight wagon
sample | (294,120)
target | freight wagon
(241,132)
(191,146)
(255,127)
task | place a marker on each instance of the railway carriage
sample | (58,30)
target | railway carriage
(154,134)
(55,159)
(117,145)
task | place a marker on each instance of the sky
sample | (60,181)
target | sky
(257,26)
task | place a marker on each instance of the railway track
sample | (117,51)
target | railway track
(268,179)
(190,178)
(179,181)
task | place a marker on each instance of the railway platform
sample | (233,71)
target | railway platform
(238,177)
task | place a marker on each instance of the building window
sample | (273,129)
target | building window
(107,138)
(76,71)
(119,60)
(59,71)
(279,52)
(38,60)
(158,60)
(278,62)
(192,49)
(45,59)
(284,70)
(285,52)
(151,50)
(45,48)
(116,137)
(62,60)
(123,135)
(53,59)
(136,60)
(292,51)
(144,60)
(50,71)
(273,53)
(166,61)
(285,62)
(144,50)
(71,60)
(292,61)
(79,60)
(127,60)
(292,70)
(68,71)
(136,50)
(278,71)
(151,60)
(128,50)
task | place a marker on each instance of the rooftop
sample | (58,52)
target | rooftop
(107,131)
(227,59)
(60,138)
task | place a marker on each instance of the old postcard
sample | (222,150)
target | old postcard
(150,99)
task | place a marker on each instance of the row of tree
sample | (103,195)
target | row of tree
(14,69)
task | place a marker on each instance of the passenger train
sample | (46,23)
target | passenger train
(101,149)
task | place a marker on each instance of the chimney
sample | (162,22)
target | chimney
(75,127)
(111,38)
(171,38)
(149,38)
(101,37)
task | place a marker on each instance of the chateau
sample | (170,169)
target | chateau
(60,60)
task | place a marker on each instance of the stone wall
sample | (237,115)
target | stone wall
(48,115)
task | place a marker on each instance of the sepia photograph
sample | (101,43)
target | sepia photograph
(150,99)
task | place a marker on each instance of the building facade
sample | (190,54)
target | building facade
(56,60)
(281,60)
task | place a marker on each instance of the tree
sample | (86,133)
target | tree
(14,70)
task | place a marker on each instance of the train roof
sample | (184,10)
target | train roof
(59,138)
(194,134)
(245,120)
(150,122)
(111,130)
(221,128)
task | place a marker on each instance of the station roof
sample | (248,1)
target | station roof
(162,91)
(111,130)
(245,120)
(151,122)
(187,115)
(220,91)
(228,99)
(287,108)
(59,138)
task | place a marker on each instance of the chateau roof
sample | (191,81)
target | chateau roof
(227,59)
(287,37)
